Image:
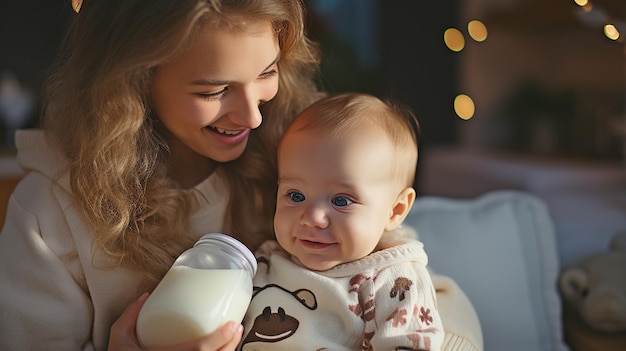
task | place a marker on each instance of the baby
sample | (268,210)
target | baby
(342,275)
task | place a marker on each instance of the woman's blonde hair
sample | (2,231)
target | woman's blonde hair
(97,110)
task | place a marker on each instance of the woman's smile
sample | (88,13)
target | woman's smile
(229,137)
(224,131)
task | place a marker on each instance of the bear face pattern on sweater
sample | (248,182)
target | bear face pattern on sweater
(271,327)
(351,307)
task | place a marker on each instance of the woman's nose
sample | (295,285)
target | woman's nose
(315,216)
(247,111)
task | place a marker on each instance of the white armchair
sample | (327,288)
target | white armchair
(501,250)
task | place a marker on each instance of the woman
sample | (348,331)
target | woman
(151,136)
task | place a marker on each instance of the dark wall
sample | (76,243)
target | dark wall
(416,67)
(397,52)
(30,32)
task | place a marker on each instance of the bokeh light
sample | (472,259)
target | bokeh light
(454,39)
(464,106)
(611,32)
(581,2)
(477,30)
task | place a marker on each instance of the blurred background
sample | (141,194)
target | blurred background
(541,77)
(511,94)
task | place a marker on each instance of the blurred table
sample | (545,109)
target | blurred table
(10,174)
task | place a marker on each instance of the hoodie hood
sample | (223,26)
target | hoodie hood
(35,154)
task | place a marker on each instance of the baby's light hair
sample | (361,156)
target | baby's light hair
(338,114)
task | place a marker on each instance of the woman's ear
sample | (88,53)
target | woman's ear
(401,208)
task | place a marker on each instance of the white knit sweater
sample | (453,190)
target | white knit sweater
(51,296)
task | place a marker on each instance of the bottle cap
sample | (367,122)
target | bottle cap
(233,243)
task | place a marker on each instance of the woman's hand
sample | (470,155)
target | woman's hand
(123,335)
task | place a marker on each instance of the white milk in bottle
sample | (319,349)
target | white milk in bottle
(206,286)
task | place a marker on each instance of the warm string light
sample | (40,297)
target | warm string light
(611,32)
(597,17)
(464,106)
(455,41)
(477,30)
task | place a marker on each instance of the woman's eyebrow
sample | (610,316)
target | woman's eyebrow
(216,82)
(203,81)
(273,62)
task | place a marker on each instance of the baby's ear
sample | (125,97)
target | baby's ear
(401,208)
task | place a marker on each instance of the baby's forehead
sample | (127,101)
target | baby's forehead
(363,150)
(337,128)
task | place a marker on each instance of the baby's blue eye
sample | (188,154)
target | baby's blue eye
(341,201)
(296,197)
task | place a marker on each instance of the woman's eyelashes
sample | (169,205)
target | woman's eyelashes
(215,95)
(268,74)
(218,94)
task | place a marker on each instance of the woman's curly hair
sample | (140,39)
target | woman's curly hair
(97,111)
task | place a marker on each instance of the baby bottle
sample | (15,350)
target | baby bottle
(208,285)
